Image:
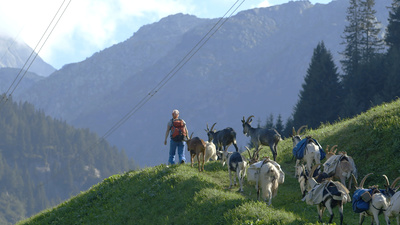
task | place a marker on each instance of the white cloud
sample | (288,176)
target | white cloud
(264,4)
(92,25)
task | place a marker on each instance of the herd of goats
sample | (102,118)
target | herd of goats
(325,188)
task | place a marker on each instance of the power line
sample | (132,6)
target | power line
(174,70)
(33,51)
(166,78)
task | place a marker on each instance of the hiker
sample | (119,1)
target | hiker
(177,129)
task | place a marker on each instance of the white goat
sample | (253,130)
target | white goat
(311,152)
(326,195)
(394,207)
(378,203)
(237,164)
(211,152)
(267,175)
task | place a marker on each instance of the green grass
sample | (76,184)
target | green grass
(182,195)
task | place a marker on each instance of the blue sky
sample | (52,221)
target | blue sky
(89,26)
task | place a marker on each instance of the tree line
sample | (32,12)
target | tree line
(44,161)
(370,65)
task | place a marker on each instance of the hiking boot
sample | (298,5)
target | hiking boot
(183,162)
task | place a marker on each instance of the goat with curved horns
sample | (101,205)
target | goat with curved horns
(222,140)
(311,151)
(339,166)
(197,147)
(261,136)
(378,202)
(394,207)
(326,195)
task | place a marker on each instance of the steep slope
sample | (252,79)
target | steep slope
(182,195)
(253,65)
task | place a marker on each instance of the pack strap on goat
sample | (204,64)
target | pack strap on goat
(298,150)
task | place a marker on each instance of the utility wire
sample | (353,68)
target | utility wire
(37,53)
(33,51)
(172,73)
(174,70)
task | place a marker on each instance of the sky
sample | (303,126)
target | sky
(89,26)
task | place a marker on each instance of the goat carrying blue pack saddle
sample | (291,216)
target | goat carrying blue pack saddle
(298,150)
(361,198)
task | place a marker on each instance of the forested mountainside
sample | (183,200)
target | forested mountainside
(44,161)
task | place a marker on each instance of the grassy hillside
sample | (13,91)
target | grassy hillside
(182,195)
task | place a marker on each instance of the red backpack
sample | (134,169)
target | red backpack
(178,131)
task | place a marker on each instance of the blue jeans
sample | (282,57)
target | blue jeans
(172,150)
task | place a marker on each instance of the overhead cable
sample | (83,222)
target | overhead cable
(34,53)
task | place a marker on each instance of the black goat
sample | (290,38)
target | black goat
(222,140)
(261,136)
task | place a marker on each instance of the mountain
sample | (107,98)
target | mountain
(253,65)
(14,54)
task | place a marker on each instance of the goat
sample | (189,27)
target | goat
(196,146)
(302,175)
(267,175)
(211,152)
(394,207)
(237,163)
(222,139)
(261,136)
(311,152)
(339,166)
(376,200)
(326,195)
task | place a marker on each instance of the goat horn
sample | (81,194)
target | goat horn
(363,180)
(313,170)
(247,121)
(387,181)
(298,131)
(333,148)
(355,180)
(243,120)
(294,132)
(212,127)
(207,127)
(394,183)
(191,135)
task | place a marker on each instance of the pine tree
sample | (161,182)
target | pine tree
(279,124)
(352,38)
(362,80)
(319,99)
(370,42)
(270,121)
(392,58)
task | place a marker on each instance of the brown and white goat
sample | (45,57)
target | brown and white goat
(197,147)
(339,166)
(394,207)
(377,205)
(211,152)
(336,195)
